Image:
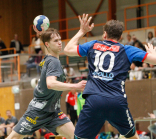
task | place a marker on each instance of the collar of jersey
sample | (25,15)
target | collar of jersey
(111,41)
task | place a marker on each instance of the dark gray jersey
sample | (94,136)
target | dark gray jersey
(12,120)
(47,99)
(2,121)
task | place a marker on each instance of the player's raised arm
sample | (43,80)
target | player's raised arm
(71,47)
(151,57)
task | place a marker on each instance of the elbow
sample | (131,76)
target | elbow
(66,51)
(50,85)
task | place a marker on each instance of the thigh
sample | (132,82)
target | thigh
(66,130)
(91,118)
(59,119)
(31,121)
(15,135)
(120,116)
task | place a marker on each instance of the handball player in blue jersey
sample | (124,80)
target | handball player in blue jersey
(109,63)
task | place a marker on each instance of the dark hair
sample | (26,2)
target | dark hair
(114,29)
(129,35)
(47,35)
(8,110)
(67,66)
(151,34)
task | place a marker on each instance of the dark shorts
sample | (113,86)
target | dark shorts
(33,120)
(97,110)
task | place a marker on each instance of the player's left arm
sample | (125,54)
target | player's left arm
(71,47)
(136,54)
(151,57)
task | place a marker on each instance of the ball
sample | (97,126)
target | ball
(41,21)
(15,89)
(34,82)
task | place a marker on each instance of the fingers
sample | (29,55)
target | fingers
(146,47)
(85,18)
(42,29)
(80,19)
(35,29)
(92,26)
(90,18)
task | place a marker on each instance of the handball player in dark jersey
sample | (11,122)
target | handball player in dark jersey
(44,108)
(109,63)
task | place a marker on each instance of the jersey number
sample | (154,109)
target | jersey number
(99,60)
(21,130)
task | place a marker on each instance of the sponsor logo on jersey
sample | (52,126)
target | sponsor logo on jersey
(41,63)
(60,113)
(103,76)
(26,125)
(36,104)
(33,121)
(102,47)
(57,105)
(62,116)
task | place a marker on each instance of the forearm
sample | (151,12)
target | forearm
(10,125)
(73,42)
(151,59)
(59,86)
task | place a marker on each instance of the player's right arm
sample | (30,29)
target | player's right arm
(53,72)
(53,84)
(71,47)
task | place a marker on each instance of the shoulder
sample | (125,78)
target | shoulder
(128,47)
(12,41)
(13,117)
(90,43)
(52,60)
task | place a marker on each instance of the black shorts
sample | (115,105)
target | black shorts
(97,110)
(33,120)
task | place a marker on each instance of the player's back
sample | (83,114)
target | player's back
(109,63)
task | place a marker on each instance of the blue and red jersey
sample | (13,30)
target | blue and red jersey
(108,64)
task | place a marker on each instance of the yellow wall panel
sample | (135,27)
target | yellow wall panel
(6,101)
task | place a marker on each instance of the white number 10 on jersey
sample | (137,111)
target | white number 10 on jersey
(99,61)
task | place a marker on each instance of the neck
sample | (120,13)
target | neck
(109,39)
(53,54)
(10,117)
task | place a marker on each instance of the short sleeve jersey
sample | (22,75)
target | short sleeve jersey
(47,99)
(12,120)
(2,121)
(109,63)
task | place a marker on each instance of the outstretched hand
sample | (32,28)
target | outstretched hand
(84,23)
(81,85)
(150,49)
(36,30)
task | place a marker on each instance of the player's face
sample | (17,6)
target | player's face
(55,43)
(8,113)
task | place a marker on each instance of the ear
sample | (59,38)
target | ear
(47,44)
(104,36)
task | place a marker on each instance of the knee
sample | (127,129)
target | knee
(132,134)
(9,128)
(75,137)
